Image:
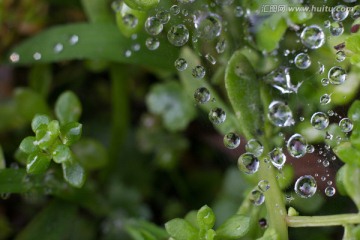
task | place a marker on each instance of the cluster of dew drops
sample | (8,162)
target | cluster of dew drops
(210,25)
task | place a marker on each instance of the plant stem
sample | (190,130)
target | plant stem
(322,221)
(274,201)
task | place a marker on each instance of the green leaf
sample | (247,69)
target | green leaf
(348,153)
(181,229)
(61,153)
(233,228)
(2,159)
(270,32)
(70,133)
(243,89)
(74,173)
(125,22)
(340,178)
(351,182)
(286,177)
(12,181)
(38,121)
(169,101)
(142,4)
(27,145)
(90,153)
(96,42)
(206,218)
(37,163)
(270,234)
(190,84)
(68,108)
(29,103)
(352,44)
(54,222)
(191,217)
(354,115)
(45,138)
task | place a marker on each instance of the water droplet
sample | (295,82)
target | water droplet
(297,146)
(302,61)
(325,82)
(281,80)
(248,163)
(198,72)
(202,95)
(277,158)
(280,114)
(37,56)
(355,12)
(336,29)
(337,75)
(305,186)
(208,26)
(340,56)
(339,12)
(310,148)
(128,53)
(153,26)
(238,11)
(319,120)
(175,9)
(326,163)
(130,20)
(263,185)
(327,24)
(231,140)
(331,112)
(312,37)
(14,57)
(181,64)
(325,99)
(116,6)
(178,35)
(74,39)
(220,45)
(136,47)
(346,125)
(217,115)
(163,16)
(255,147)
(321,68)
(330,191)
(58,48)
(257,198)
(210,58)
(152,43)
(185,12)
(263,223)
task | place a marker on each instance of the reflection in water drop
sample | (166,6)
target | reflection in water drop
(202,95)
(248,163)
(297,146)
(312,37)
(255,147)
(231,140)
(346,125)
(280,114)
(277,158)
(257,197)
(319,120)
(217,116)
(305,186)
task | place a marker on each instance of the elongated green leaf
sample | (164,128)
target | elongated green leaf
(96,42)
(2,159)
(231,124)
(180,229)
(12,180)
(54,223)
(142,4)
(243,89)
(68,108)
(205,218)
(233,228)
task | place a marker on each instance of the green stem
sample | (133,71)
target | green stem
(322,221)
(274,201)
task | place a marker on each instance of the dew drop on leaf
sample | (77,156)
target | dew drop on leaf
(355,12)
(153,26)
(152,43)
(280,114)
(297,146)
(330,191)
(202,95)
(208,26)
(174,9)
(255,147)
(248,163)
(340,56)
(130,20)
(305,186)
(277,158)
(74,39)
(178,35)
(346,125)
(257,197)
(336,29)
(302,61)
(198,72)
(217,115)
(58,48)
(337,75)
(339,12)
(263,185)
(231,140)
(14,57)
(37,56)
(319,120)
(163,16)
(312,37)
(325,99)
